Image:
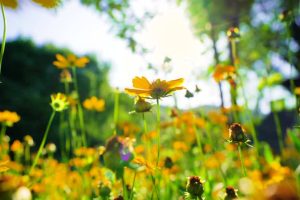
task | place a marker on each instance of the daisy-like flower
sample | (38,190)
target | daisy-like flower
(156,89)
(47,3)
(70,61)
(59,102)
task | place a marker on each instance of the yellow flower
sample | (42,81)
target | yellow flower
(10,3)
(3,166)
(223,72)
(59,102)
(70,61)
(157,89)
(16,146)
(94,103)
(47,3)
(8,117)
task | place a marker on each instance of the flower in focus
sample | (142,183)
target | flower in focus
(59,102)
(94,103)
(233,33)
(156,90)
(224,72)
(10,3)
(70,61)
(8,118)
(47,3)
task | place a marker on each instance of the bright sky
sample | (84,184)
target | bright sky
(169,33)
(83,30)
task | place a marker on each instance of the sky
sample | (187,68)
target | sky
(168,34)
(83,30)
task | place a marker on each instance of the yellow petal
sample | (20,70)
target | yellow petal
(61,65)
(10,3)
(81,62)
(60,57)
(140,92)
(142,83)
(175,83)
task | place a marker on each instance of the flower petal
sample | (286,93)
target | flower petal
(175,83)
(140,92)
(141,82)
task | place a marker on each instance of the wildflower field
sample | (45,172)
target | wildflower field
(66,133)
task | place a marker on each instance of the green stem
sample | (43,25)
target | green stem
(80,110)
(147,141)
(43,141)
(132,187)
(2,133)
(116,110)
(155,188)
(158,130)
(3,36)
(278,131)
(124,188)
(241,159)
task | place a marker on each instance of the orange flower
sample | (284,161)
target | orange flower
(10,3)
(223,72)
(8,117)
(156,90)
(70,61)
(94,103)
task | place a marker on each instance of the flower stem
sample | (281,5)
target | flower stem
(278,131)
(116,110)
(158,130)
(3,36)
(241,159)
(43,141)
(132,187)
(80,110)
(2,133)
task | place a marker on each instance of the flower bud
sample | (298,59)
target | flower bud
(231,193)
(237,133)
(142,106)
(195,187)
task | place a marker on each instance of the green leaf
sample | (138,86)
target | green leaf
(295,139)
(268,153)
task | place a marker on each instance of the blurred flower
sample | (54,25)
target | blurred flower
(22,193)
(51,148)
(10,3)
(59,102)
(233,33)
(3,165)
(70,61)
(65,76)
(156,90)
(94,103)
(285,16)
(47,3)
(8,118)
(231,193)
(141,105)
(194,187)
(237,134)
(16,147)
(149,167)
(28,140)
(224,72)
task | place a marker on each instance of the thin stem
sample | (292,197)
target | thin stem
(43,141)
(278,131)
(155,188)
(158,130)
(124,188)
(242,160)
(145,133)
(116,110)
(132,187)
(80,110)
(3,36)
(2,133)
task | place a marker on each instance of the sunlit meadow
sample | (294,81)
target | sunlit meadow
(66,133)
